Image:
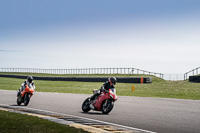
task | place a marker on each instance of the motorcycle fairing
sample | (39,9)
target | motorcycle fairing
(100,99)
(27,90)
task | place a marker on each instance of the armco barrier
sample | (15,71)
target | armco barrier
(195,79)
(87,79)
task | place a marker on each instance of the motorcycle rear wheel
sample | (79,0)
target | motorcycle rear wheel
(107,107)
(86,105)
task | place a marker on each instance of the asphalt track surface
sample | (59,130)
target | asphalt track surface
(153,114)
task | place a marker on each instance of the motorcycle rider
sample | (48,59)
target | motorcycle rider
(105,87)
(28,82)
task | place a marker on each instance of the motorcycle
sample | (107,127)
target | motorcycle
(25,95)
(104,102)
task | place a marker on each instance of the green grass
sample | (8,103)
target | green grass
(17,123)
(158,87)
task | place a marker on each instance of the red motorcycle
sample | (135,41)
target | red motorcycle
(104,102)
(25,95)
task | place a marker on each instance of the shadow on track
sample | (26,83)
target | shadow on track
(93,113)
(18,105)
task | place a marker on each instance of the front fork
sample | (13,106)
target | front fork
(106,103)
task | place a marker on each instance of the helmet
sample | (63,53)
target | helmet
(30,79)
(112,80)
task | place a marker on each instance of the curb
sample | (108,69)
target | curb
(90,125)
(56,120)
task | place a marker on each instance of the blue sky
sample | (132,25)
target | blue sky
(160,36)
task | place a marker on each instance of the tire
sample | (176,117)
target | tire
(19,100)
(86,105)
(26,99)
(107,108)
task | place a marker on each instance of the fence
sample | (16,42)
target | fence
(192,73)
(83,71)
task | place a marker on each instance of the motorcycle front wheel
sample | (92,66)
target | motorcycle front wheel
(19,100)
(107,106)
(26,99)
(86,105)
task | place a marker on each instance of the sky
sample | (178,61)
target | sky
(152,35)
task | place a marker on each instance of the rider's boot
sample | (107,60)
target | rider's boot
(92,101)
(92,106)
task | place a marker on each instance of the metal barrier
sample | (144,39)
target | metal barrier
(192,73)
(83,71)
(86,79)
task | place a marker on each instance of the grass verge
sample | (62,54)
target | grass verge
(17,123)
(158,87)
